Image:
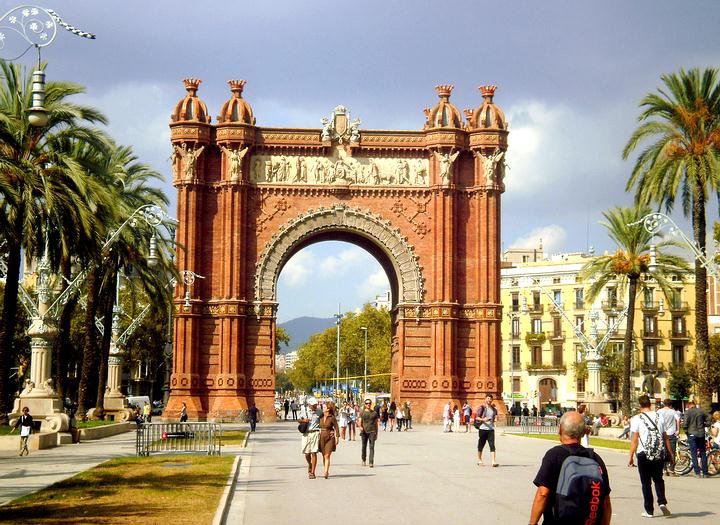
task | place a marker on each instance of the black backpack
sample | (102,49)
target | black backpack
(581,491)
(654,447)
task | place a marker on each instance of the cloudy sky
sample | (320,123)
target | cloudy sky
(570,75)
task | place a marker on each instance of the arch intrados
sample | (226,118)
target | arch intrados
(355,238)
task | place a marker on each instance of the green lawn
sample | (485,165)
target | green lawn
(233,437)
(131,490)
(594,441)
(92,423)
(5,430)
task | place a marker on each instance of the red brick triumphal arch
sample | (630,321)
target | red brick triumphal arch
(425,203)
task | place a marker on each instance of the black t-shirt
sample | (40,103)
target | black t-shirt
(253,412)
(369,421)
(549,473)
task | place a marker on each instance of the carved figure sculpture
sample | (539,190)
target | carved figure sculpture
(300,171)
(327,129)
(318,173)
(269,172)
(257,171)
(189,157)
(374,173)
(235,156)
(446,161)
(420,173)
(355,130)
(402,172)
(493,166)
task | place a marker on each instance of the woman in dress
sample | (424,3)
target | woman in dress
(391,415)
(329,432)
(456,419)
(343,420)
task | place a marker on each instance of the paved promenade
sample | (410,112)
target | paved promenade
(426,477)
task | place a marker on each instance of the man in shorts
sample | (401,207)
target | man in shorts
(487,414)
(311,438)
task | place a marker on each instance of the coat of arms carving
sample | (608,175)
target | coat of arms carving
(339,127)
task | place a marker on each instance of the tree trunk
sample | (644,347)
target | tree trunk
(627,390)
(701,324)
(108,302)
(90,346)
(62,341)
(7,330)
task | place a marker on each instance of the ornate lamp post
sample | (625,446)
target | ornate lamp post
(338,318)
(38,27)
(365,329)
(39,394)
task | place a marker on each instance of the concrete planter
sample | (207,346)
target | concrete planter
(88,434)
(37,441)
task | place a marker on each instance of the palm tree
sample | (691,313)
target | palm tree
(44,181)
(682,123)
(629,267)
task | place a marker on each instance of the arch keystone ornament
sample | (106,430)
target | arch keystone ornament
(425,203)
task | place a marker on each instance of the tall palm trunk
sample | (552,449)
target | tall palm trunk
(107,308)
(62,341)
(702,342)
(90,347)
(628,353)
(7,330)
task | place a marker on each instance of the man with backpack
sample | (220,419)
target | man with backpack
(572,483)
(485,423)
(650,442)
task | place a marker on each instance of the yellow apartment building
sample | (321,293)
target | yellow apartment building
(540,346)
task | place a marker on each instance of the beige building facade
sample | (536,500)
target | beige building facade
(541,348)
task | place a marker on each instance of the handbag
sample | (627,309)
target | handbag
(303,427)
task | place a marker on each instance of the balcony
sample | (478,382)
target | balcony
(650,306)
(652,368)
(535,308)
(612,306)
(557,309)
(678,307)
(680,335)
(535,339)
(541,368)
(557,337)
(652,334)
(514,335)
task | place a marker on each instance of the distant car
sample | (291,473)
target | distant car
(157,408)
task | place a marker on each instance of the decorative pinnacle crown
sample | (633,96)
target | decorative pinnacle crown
(192,84)
(488,91)
(237,86)
(444,90)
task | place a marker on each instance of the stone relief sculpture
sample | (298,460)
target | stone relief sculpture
(235,156)
(494,166)
(446,161)
(189,158)
(340,170)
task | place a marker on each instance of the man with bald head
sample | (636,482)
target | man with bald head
(572,429)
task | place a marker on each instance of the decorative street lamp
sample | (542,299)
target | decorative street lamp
(338,317)
(188,278)
(365,329)
(38,27)
(39,394)
(656,222)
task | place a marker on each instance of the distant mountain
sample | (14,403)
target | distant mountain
(301,328)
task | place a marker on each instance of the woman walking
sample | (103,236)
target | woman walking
(344,417)
(456,419)
(329,432)
(400,416)
(391,415)
(352,418)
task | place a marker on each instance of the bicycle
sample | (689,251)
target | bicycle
(683,460)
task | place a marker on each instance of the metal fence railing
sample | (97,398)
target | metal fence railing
(529,425)
(178,438)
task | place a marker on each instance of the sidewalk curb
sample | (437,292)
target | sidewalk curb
(224,506)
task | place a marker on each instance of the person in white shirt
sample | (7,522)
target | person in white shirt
(446,417)
(715,429)
(672,429)
(649,436)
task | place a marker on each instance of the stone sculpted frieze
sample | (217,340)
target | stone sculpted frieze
(339,169)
